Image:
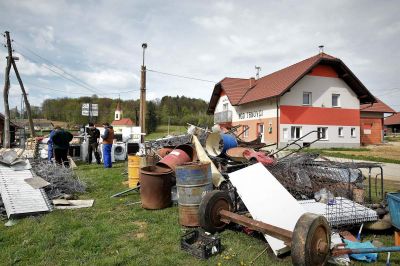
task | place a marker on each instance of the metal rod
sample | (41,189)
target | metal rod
(341,251)
(124,192)
(274,231)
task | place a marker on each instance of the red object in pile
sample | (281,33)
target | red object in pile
(261,157)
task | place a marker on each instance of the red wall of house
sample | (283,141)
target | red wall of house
(319,116)
(323,71)
(375,125)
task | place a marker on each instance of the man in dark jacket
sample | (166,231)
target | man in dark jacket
(108,138)
(94,135)
(61,141)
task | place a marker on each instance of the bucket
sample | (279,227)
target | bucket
(193,180)
(182,154)
(155,187)
(218,143)
(133,170)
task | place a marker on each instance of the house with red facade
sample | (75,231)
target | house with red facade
(319,97)
(372,121)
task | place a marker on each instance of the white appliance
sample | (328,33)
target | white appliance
(120,151)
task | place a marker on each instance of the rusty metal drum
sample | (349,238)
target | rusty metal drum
(193,181)
(155,187)
(180,155)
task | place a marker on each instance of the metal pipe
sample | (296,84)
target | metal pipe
(341,251)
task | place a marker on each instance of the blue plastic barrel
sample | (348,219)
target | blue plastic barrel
(229,142)
(393,200)
(217,144)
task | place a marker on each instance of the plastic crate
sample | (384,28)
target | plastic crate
(201,245)
(393,200)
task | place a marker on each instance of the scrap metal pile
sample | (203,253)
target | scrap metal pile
(63,181)
(334,194)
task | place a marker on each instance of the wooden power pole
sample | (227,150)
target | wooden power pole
(27,105)
(142,114)
(6,133)
(11,61)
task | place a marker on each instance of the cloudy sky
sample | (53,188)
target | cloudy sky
(99,43)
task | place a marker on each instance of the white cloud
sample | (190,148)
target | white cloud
(43,37)
(213,22)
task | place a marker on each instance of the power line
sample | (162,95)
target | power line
(61,75)
(54,65)
(46,88)
(180,76)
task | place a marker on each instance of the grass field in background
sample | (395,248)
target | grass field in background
(114,233)
(383,153)
(162,131)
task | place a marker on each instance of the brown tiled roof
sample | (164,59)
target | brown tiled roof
(123,122)
(392,120)
(277,83)
(378,107)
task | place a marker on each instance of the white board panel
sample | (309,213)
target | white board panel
(18,196)
(267,201)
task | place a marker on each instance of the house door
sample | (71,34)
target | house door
(260,131)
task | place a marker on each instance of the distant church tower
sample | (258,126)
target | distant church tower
(118,112)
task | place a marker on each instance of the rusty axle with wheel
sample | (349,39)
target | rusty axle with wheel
(309,242)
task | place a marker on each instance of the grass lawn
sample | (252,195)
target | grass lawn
(162,131)
(382,153)
(113,233)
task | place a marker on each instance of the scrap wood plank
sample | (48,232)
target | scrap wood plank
(19,198)
(267,201)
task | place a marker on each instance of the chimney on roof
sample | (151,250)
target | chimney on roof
(321,49)
(258,68)
(252,82)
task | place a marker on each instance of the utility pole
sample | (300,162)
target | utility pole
(11,61)
(142,114)
(6,140)
(27,105)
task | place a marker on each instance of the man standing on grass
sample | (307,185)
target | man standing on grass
(50,146)
(94,135)
(108,138)
(61,141)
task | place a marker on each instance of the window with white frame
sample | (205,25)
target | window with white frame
(225,107)
(340,132)
(353,132)
(246,131)
(306,98)
(335,100)
(285,133)
(322,133)
(295,132)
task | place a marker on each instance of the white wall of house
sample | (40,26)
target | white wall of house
(333,139)
(250,111)
(321,89)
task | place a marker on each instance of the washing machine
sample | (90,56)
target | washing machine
(120,151)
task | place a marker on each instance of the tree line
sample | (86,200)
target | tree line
(178,110)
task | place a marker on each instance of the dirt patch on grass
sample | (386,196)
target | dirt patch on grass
(142,225)
(387,151)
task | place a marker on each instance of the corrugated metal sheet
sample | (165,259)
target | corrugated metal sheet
(20,199)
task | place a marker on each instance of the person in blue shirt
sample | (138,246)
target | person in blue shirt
(50,146)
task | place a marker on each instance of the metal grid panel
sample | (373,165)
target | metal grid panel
(20,199)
